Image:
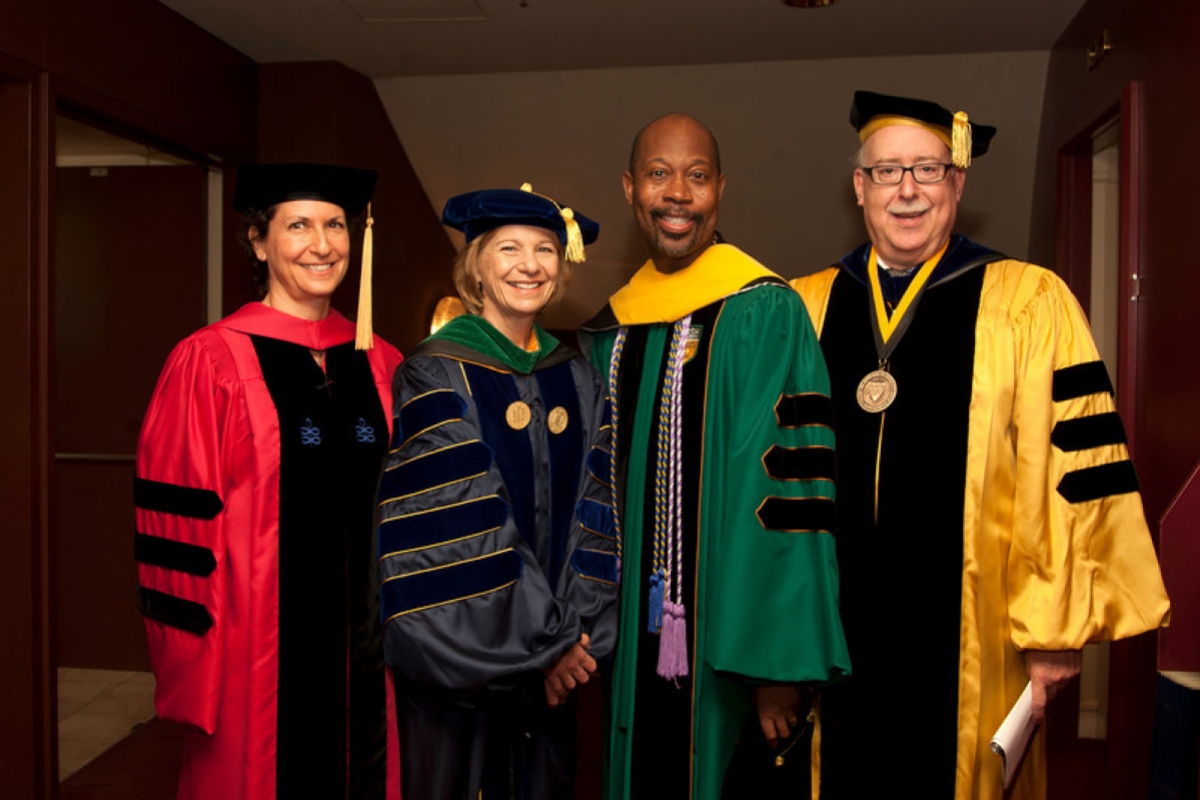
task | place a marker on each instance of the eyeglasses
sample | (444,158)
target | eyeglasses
(893,174)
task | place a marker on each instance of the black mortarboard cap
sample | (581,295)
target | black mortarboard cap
(260,186)
(872,111)
(476,213)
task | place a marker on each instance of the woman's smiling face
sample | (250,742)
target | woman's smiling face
(519,268)
(307,249)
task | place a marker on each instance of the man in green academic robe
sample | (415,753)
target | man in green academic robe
(723,479)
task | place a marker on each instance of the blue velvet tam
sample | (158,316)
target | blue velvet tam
(260,186)
(476,213)
(872,111)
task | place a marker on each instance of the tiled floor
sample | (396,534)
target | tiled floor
(96,709)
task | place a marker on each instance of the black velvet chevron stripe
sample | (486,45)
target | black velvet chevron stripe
(598,465)
(171,498)
(1093,483)
(800,463)
(799,410)
(596,517)
(796,514)
(434,469)
(1072,435)
(428,410)
(595,564)
(1080,380)
(407,593)
(174,611)
(169,554)
(441,525)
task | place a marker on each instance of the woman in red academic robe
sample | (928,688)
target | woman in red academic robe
(256,471)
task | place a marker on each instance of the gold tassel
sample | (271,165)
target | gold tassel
(574,237)
(960,137)
(363,340)
(574,250)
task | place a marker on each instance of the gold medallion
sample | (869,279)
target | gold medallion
(557,421)
(876,391)
(517,416)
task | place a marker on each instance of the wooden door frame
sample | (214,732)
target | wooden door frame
(1074,241)
(1128,662)
(28,726)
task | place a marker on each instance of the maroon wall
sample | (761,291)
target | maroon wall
(27,700)
(140,63)
(1154,43)
(139,68)
(413,254)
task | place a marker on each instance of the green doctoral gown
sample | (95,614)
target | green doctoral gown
(758,569)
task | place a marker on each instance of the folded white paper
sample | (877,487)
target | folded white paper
(1013,735)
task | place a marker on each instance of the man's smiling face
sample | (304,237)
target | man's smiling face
(908,223)
(675,188)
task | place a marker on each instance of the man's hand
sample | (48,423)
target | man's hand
(1049,671)
(573,667)
(778,711)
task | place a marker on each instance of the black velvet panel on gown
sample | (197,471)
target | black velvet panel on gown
(901,575)
(331,740)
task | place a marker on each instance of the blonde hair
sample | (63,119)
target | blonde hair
(466,273)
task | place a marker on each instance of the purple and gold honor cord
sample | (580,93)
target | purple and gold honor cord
(667,613)
(614,367)
(667,617)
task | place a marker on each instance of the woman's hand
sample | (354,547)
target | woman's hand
(573,668)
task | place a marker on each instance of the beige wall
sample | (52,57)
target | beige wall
(785,147)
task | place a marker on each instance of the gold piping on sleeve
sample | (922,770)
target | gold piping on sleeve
(431,453)
(763,459)
(758,515)
(598,533)
(466,380)
(463,479)
(439,508)
(590,577)
(456,540)
(423,431)
(441,567)
(779,422)
(500,588)
(412,400)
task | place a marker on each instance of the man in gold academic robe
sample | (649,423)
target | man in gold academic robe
(989,521)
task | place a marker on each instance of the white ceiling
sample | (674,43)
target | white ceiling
(387,38)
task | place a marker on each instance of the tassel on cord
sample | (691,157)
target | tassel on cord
(672,642)
(654,620)
(363,340)
(960,140)
(672,645)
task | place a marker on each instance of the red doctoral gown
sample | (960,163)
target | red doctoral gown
(256,474)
